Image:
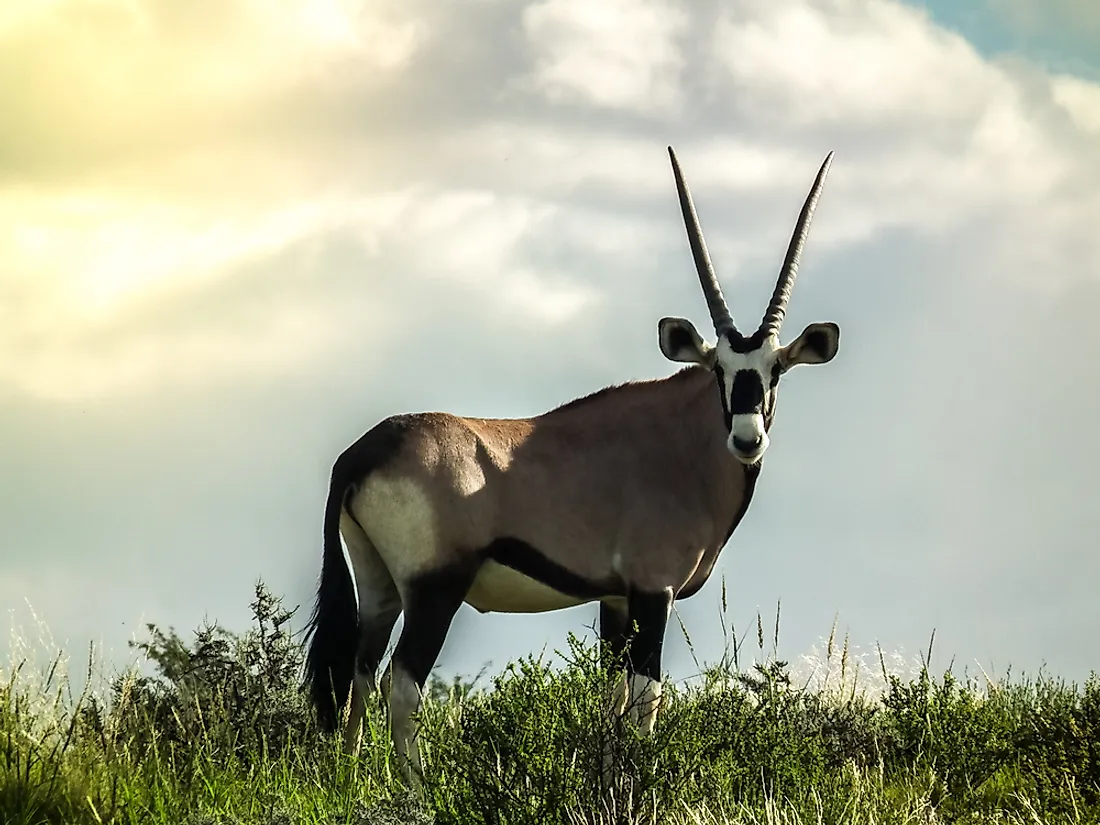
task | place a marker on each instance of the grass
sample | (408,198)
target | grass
(220,733)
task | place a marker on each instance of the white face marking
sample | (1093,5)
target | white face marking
(500,589)
(747,439)
(747,429)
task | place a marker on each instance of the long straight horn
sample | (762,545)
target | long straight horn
(719,312)
(773,318)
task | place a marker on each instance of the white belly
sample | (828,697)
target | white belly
(500,589)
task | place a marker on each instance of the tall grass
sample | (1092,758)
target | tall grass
(221,734)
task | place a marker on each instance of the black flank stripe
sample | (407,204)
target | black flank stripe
(523,558)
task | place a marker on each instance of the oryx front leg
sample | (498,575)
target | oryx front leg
(648,615)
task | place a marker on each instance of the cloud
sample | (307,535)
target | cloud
(87,272)
(861,63)
(116,311)
(929,135)
(619,54)
(1080,99)
(111,80)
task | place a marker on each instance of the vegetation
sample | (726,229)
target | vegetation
(220,733)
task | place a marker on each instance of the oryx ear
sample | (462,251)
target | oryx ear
(680,341)
(817,344)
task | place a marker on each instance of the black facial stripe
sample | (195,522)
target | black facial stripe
(727,415)
(747,395)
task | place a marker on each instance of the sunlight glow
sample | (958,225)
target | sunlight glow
(90,252)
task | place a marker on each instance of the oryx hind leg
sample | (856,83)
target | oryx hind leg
(379,607)
(430,602)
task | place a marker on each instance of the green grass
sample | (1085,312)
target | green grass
(220,733)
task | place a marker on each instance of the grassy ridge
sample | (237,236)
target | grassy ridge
(221,733)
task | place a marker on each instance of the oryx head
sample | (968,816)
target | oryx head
(747,367)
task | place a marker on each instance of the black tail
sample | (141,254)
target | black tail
(333,630)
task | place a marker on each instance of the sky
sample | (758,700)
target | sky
(236,234)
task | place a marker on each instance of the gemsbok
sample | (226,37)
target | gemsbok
(625,497)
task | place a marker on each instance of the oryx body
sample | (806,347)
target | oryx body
(625,497)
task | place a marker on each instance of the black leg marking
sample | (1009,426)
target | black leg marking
(613,632)
(648,617)
(430,604)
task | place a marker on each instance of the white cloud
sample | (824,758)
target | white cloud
(533,297)
(87,277)
(852,62)
(1080,99)
(929,135)
(621,54)
(76,365)
(465,235)
(559,161)
(87,253)
(115,78)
